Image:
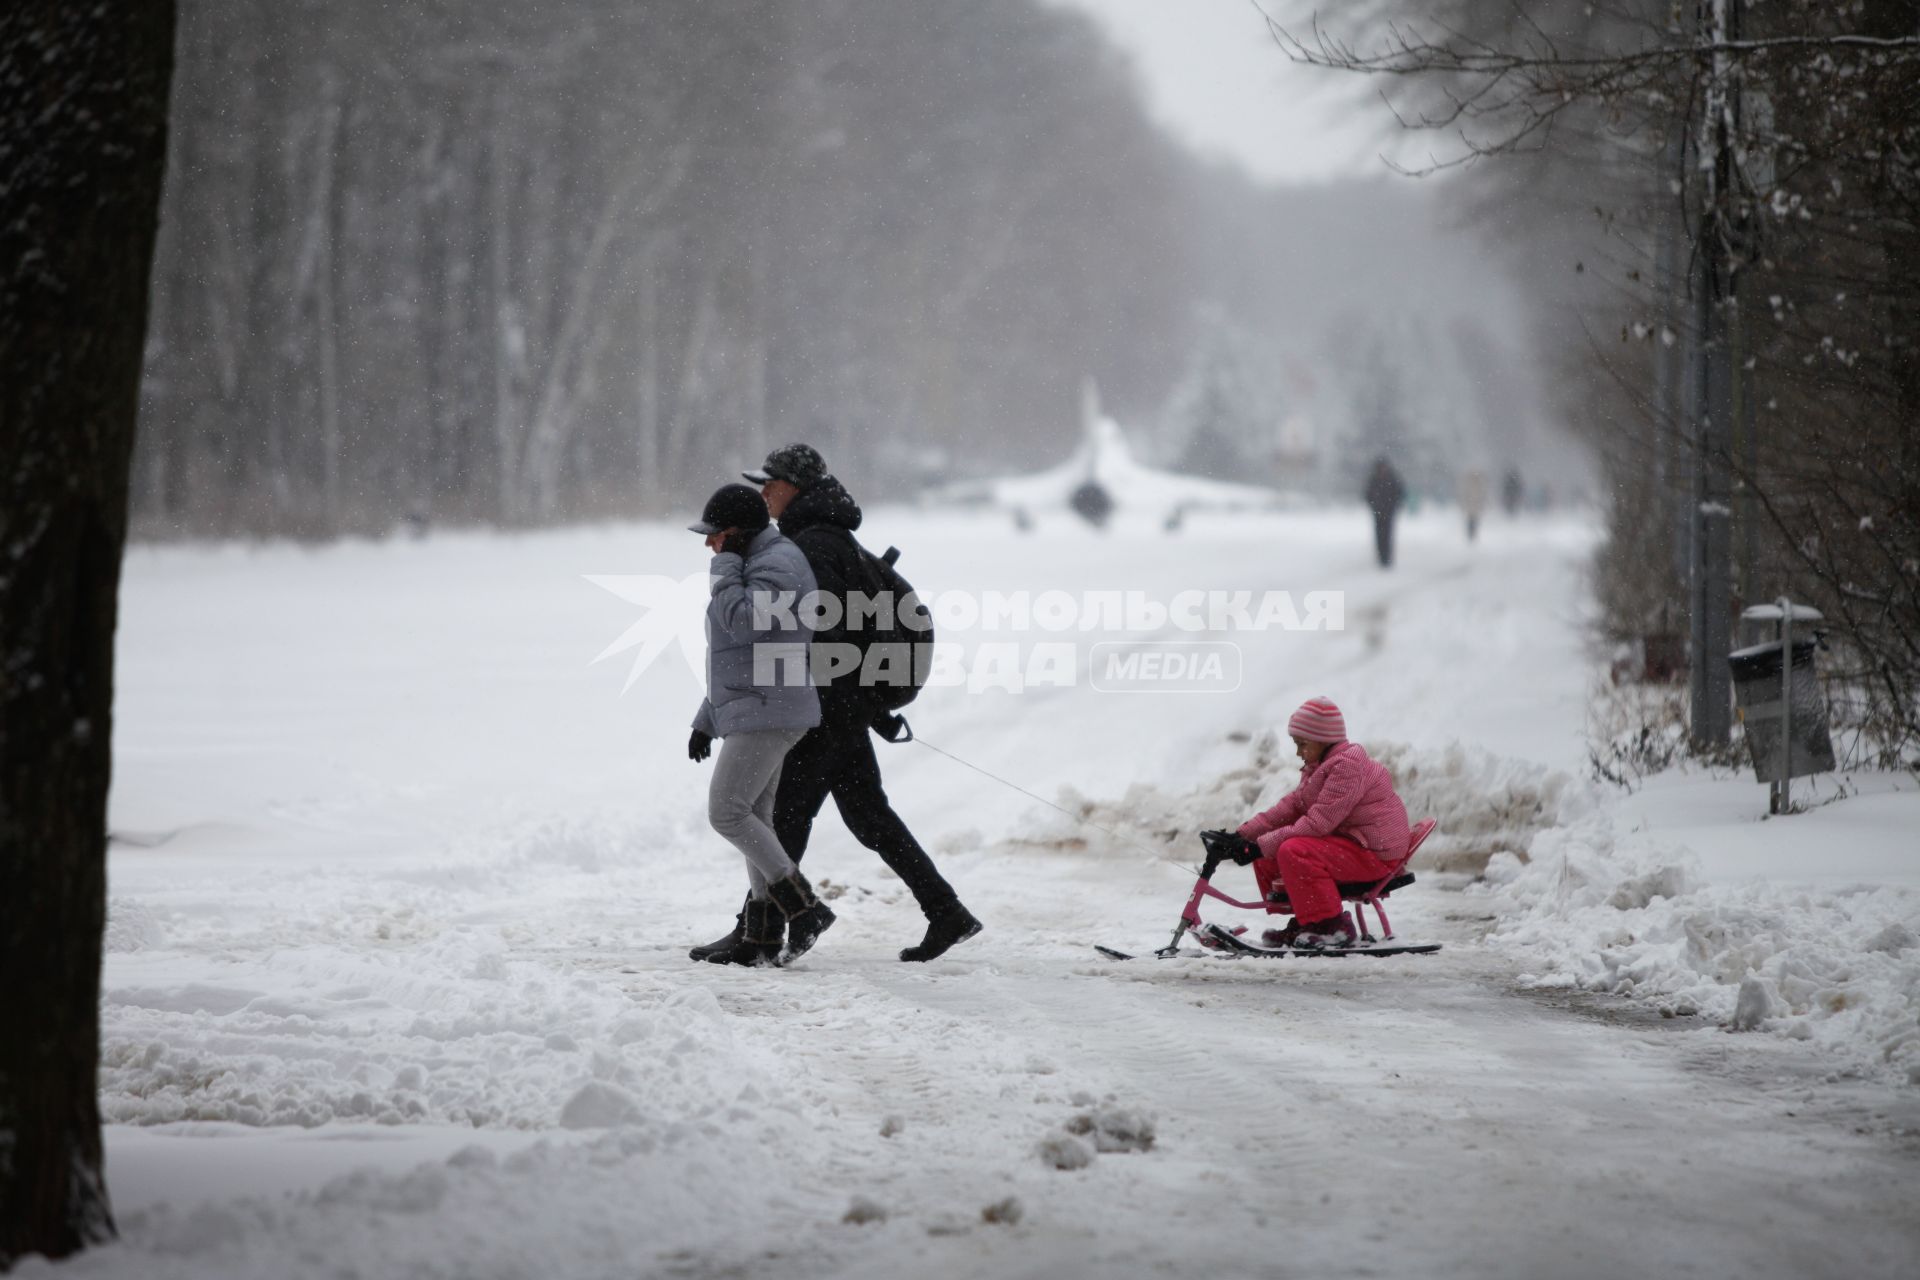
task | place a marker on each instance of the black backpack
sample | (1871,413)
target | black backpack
(903,633)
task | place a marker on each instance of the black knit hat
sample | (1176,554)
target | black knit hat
(732,506)
(800,465)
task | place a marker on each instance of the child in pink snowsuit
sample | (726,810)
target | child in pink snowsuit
(1343,822)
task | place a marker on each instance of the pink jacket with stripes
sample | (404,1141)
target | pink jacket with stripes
(1348,794)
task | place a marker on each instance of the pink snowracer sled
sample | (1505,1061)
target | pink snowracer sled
(1364,894)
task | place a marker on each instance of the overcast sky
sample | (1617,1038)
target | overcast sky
(1216,78)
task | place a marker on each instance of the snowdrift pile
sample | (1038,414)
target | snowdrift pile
(406,995)
(1483,804)
(1600,911)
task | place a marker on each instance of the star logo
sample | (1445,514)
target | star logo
(674,609)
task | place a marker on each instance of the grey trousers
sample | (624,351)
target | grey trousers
(746,774)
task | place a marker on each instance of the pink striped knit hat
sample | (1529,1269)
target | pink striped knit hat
(1318,720)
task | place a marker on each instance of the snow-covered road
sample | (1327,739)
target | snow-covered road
(398,982)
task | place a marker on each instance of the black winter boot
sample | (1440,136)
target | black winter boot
(759,944)
(945,928)
(807,916)
(726,941)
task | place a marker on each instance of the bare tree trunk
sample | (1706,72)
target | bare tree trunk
(690,396)
(326,214)
(646,392)
(508,348)
(434,480)
(83,121)
(1900,187)
(466,330)
(581,324)
(315,274)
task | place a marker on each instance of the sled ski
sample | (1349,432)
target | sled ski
(1233,947)
(1236,945)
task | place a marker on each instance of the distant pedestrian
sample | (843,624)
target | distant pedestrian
(836,759)
(1512,492)
(1472,493)
(760,701)
(1384,493)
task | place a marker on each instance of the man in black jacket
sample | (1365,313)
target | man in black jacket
(1384,494)
(836,759)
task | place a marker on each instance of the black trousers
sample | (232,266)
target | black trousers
(1383,537)
(836,759)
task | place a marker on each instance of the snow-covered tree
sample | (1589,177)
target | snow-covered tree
(1223,417)
(1409,393)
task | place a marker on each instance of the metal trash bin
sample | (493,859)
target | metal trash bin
(1757,689)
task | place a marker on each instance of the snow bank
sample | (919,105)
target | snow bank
(1483,804)
(422,994)
(1598,910)
(414,1039)
(553,1209)
(131,926)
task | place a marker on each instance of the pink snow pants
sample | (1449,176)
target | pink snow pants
(1308,866)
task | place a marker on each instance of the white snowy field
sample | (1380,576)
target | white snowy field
(403,885)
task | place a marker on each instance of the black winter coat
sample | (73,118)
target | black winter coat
(1384,493)
(821,522)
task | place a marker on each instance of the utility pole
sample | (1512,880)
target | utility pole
(1716,264)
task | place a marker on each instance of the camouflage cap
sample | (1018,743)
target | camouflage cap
(800,465)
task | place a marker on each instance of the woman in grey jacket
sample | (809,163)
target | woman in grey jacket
(760,700)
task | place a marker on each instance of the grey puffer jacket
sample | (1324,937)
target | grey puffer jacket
(773,570)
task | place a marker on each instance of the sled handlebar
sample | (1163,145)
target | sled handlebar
(1221,846)
(1226,846)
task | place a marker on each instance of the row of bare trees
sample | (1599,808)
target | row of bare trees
(506,263)
(1721,200)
